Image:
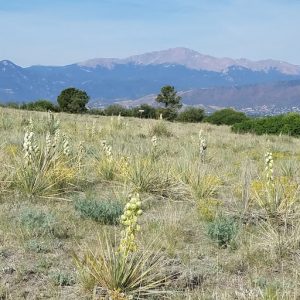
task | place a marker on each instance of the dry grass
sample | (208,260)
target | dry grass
(181,196)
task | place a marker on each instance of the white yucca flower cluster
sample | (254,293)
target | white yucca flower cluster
(56,138)
(129,220)
(30,147)
(203,145)
(66,146)
(269,167)
(154,142)
(48,143)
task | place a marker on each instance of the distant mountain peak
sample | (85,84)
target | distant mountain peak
(192,59)
(8,63)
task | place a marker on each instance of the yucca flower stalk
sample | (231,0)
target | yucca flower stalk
(154,147)
(203,146)
(269,168)
(66,146)
(30,148)
(27,147)
(129,219)
(107,150)
(56,139)
(81,151)
(48,143)
(154,142)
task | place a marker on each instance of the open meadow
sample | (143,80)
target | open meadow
(95,207)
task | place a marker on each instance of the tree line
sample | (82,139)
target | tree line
(169,107)
(169,104)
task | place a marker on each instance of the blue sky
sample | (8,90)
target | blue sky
(59,32)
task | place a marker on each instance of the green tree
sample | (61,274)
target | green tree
(73,100)
(144,111)
(168,96)
(227,116)
(191,114)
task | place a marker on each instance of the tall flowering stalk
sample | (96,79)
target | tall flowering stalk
(107,151)
(28,147)
(48,143)
(66,146)
(203,146)
(154,142)
(56,139)
(129,219)
(269,171)
(80,154)
(154,149)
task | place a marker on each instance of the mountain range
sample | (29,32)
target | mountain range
(200,79)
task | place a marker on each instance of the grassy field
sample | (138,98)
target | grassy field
(223,224)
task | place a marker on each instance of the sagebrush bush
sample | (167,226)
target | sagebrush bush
(222,230)
(38,222)
(102,211)
(60,278)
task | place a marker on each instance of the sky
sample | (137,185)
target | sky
(61,32)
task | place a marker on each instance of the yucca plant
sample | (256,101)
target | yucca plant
(45,170)
(277,196)
(124,271)
(134,276)
(150,178)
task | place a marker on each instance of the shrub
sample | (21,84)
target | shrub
(40,105)
(139,275)
(144,111)
(62,279)
(226,116)
(192,115)
(105,212)
(160,129)
(116,109)
(38,222)
(283,124)
(222,230)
